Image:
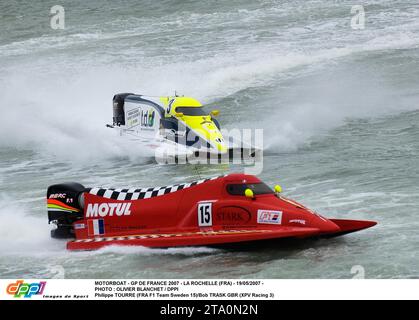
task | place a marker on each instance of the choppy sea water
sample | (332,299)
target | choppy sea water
(339,108)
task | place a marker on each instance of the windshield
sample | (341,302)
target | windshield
(257,188)
(192,111)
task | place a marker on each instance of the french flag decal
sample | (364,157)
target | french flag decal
(96,227)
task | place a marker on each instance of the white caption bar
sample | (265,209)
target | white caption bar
(66,289)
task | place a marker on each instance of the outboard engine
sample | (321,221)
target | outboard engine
(65,204)
(118,108)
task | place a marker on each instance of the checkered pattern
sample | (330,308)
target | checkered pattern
(169,235)
(144,193)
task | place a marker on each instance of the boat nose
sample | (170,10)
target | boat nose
(327,226)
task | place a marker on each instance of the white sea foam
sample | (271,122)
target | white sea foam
(24,234)
(186,251)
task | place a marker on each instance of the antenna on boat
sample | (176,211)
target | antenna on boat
(178,95)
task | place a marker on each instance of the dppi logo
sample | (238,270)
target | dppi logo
(27,290)
(147,118)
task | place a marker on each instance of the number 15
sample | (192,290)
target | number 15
(205,214)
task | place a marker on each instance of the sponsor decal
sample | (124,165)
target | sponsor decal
(232,215)
(147,118)
(132,117)
(21,289)
(269,217)
(78,226)
(95,210)
(300,221)
(126,228)
(56,205)
(57,196)
(96,227)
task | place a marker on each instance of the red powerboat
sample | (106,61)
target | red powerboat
(231,209)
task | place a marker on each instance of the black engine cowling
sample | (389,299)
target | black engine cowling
(65,205)
(118,108)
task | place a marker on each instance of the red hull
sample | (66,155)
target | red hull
(204,213)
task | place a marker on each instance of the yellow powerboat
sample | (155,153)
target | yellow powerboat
(175,120)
